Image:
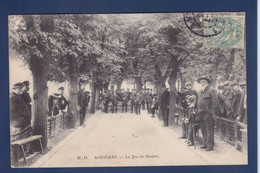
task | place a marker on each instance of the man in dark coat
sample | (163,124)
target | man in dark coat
(206,109)
(26,96)
(237,97)
(114,100)
(149,100)
(154,105)
(82,103)
(106,100)
(124,101)
(138,100)
(19,111)
(132,100)
(62,101)
(165,102)
(243,105)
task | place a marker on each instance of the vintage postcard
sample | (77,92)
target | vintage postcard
(120,90)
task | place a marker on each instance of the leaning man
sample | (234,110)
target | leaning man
(206,109)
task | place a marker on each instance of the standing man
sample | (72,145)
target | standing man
(26,96)
(206,109)
(114,100)
(149,100)
(106,99)
(138,100)
(124,101)
(19,112)
(165,101)
(243,105)
(82,103)
(20,121)
(237,97)
(132,100)
(143,96)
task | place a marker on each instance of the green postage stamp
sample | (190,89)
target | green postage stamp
(228,31)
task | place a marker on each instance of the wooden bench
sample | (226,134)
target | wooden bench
(20,144)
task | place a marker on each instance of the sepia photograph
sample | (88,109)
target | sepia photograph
(128,89)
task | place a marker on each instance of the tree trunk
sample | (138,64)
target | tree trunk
(40,110)
(139,84)
(92,98)
(214,74)
(158,86)
(172,83)
(40,69)
(73,120)
(119,84)
(97,98)
(230,64)
(182,80)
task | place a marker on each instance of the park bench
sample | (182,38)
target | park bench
(20,144)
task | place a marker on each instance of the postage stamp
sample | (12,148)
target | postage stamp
(229,29)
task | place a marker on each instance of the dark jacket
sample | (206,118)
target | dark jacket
(27,100)
(207,100)
(83,99)
(237,96)
(165,99)
(62,103)
(52,105)
(19,112)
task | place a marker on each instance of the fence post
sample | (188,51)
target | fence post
(235,133)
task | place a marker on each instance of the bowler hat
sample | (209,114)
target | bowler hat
(203,78)
(25,83)
(61,88)
(17,85)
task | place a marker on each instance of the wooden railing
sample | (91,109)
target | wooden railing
(56,124)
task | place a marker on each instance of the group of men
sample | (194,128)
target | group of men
(137,99)
(203,108)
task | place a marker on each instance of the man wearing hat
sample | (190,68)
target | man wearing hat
(237,96)
(124,101)
(227,97)
(20,120)
(243,105)
(62,101)
(132,100)
(206,109)
(83,100)
(19,112)
(165,102)
(149,100)
(25,95)
(189,123)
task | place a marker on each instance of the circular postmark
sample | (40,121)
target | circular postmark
(197,23)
